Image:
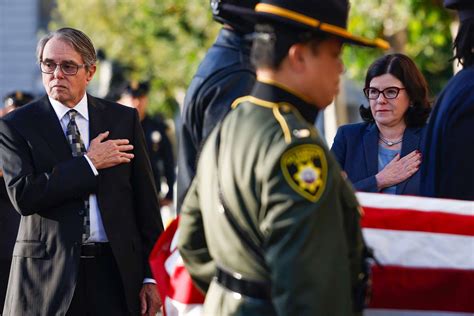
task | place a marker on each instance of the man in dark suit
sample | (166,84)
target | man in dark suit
(224,75)
(90,212)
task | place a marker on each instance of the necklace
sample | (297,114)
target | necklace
(388,142)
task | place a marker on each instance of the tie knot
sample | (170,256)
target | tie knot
(72,114)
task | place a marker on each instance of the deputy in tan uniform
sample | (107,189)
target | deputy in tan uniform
(269,226)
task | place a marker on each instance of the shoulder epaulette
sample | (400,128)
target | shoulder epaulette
(277,109)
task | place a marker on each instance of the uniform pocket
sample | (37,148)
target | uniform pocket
(30,249)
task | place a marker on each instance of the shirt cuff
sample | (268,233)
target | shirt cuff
(94,170)
(149,280)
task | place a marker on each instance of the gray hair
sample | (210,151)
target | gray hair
(77,39)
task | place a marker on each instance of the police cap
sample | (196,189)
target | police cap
(17,99)
(309,15)
(465,8)
(137,89)
(223,11)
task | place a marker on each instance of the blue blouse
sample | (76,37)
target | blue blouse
(385,156)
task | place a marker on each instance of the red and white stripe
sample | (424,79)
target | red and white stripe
(426,250)
(425,247)
(180,297)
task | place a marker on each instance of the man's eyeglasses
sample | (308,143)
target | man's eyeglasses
(388,93)
(68,68)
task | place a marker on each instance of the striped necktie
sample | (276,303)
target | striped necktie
(78,150)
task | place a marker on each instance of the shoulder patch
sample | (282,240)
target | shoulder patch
(305,169)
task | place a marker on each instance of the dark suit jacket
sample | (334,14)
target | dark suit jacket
(356,149)
(47,186)
(9,221)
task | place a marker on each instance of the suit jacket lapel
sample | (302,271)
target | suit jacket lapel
(411,141)
(371,149)
(52,131)
(96,117)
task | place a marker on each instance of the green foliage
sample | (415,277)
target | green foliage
(417,28)
(161,40)
(164,40)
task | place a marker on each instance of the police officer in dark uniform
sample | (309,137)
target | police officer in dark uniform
(448,169)
(224,75)
(158,143)
(269,225)
(9,218)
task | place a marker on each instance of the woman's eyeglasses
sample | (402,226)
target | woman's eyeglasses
(388,93)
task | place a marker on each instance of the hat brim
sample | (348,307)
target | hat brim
(269,13)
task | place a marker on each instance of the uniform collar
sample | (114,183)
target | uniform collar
(277,93)
(231,38)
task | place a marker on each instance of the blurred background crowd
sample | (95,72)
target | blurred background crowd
(165,40)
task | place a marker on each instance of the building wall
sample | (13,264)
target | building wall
(18,37)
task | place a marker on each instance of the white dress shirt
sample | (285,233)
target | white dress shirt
(82,120)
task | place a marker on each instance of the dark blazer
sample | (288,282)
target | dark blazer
(47,186)
(449,168)
(356,149)
(9,221)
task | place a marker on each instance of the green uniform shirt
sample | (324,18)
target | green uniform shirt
(287,193)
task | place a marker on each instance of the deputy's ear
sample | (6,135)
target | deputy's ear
(296,56)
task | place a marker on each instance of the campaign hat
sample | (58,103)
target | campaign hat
(329,16)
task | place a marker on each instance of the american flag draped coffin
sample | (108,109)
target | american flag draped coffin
(425,248)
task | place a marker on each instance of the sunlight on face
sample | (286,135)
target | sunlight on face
(389,112)
(67,89)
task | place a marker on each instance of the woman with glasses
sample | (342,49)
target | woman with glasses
(382,154)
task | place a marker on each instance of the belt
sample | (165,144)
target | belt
(96,249)
(235,283)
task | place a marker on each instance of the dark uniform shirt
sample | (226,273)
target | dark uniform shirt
(448,169)
(224,75)
(160,152)
(286,192)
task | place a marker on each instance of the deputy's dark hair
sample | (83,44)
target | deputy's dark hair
(464,43)
(271,43)
(405,70)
